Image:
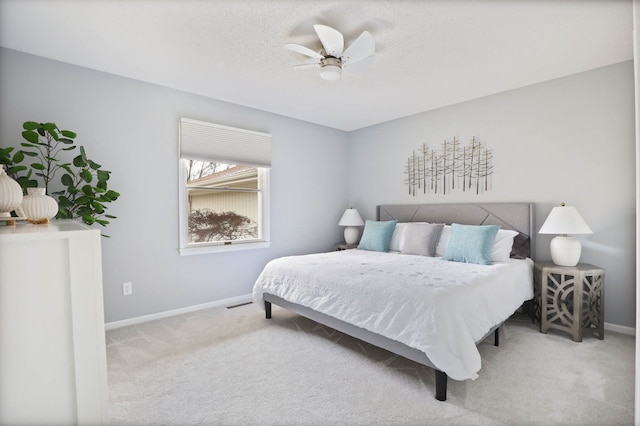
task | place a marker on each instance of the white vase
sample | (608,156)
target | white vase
(37,205)
(10,194)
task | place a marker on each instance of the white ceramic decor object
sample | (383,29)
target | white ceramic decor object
(37,205)
(10,194)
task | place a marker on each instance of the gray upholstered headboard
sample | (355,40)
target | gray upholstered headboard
(516,216)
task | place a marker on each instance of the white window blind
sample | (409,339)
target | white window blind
(213,142)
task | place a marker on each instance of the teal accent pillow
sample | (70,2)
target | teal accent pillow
(377,235)
(471,243)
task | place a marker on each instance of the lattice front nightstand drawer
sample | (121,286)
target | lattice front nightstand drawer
(570,298)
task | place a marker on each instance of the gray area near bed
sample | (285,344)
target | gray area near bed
(516,216)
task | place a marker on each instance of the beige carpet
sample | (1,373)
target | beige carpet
(231,366)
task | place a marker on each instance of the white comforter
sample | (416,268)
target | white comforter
(441,308)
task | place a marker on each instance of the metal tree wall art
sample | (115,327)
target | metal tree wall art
(453,167)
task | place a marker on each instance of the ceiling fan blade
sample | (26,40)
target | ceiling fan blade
(364,46)
(307,65)
(355,67)
(298,48)
(331,39)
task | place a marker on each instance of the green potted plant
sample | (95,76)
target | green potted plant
(84,194)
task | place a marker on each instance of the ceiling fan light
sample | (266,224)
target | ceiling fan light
(331,72)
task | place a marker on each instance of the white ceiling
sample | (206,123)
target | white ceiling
(429,54)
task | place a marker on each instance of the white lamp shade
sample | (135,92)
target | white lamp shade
(565,220)
(351,217)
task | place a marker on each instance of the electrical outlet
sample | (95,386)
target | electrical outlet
(127,289)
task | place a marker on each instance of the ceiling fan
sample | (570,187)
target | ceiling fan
(334,58)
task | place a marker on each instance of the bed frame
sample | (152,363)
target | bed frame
(516,216)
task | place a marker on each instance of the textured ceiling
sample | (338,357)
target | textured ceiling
(429,53)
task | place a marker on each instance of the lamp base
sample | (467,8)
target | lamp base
(351,234)
(565,251)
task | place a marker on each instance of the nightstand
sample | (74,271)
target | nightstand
(340,247)
(569,298)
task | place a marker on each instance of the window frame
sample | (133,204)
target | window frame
(263,240)
(186,248)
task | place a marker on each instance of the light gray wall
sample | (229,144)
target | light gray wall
(570,139)
(131,128)
(567,140)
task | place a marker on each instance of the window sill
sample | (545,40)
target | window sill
(188,251)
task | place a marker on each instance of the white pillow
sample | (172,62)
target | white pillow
(443,242)
(500,251)
(502,245)
(398,237)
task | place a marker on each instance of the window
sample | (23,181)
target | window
(224,182)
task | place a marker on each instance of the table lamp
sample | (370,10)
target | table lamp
(351,219)
(563,220)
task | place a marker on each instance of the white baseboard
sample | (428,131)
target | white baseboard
(631,331)
(247,298)
(215,304)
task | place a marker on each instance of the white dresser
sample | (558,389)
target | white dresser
(53,367)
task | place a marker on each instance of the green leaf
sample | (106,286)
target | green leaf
(94,166)
(30,136)
(66,179)
(4,152)
(99,208)
(83,200)
(102,222)
(86,175)
(68,134)
(18,157)
(25,182)
(50,127)
(16,169)
(68,169)
(37,166)
(102,175)
(30,125)
(110,216)
(29,153)
(65,141)
(113,195)
(89,220)
(87,189)
(69,148)
(79,161)
(64,214)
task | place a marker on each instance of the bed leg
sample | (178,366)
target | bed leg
(441,385)
(267,309)
(496,335)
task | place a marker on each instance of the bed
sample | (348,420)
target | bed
(416,304)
